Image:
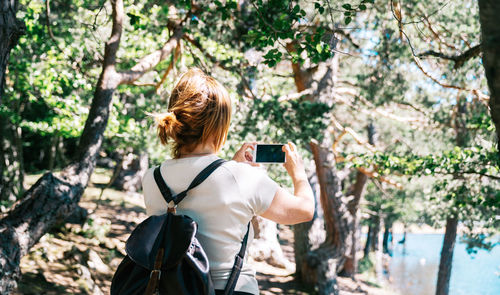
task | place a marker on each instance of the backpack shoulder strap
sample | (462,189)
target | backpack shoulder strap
(164,189)
(237,266)
(167,192)
(204,174)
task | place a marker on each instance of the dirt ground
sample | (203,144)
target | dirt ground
(81,259)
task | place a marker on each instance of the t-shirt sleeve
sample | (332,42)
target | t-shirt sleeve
(258,188)
(264,194)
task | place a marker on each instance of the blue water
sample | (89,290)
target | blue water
(413,268)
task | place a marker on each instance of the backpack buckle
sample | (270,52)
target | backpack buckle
(156,272)
(171,206)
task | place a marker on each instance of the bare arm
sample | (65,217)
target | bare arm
(299,207)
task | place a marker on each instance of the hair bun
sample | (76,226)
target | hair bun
(168,126)
(167,119)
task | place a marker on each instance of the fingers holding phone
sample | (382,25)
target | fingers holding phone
(294,164)
(245,154)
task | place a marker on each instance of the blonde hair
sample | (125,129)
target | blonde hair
(199,110)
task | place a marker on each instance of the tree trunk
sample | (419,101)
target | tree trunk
(18,143)
(325,261)
(351,260)
(321,265)
(444,273)
(446,261)
(12,162)
(368,242)
(10,31)
(375,244)
(308,236)
(490,45)
(132,170)
(385,240)
(377,239)
(51,200)
(265,246)
(53,152)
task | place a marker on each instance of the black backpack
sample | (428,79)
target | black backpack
(164,256)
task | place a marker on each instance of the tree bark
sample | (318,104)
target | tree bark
(265,246)
(368,242)
(490,44)
(375,245)
(133,167)
(308,236)
(377,239)
(446,261)
(10,31)
(18,143)
(325,261)
(351,260)
(320,266)
(385,240)
(11,183)
(444,273)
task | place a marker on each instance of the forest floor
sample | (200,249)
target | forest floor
(81,259)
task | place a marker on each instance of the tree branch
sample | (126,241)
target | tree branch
(47,15)
(479,173)
(213,60)
(459,59)
(347,36)
(477,93)
(175,56)
(149,61)
(296,95)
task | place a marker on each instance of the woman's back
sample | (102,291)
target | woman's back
(196,124)
(222,206)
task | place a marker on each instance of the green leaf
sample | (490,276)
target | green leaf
(347,6)
(348,20)
(362,6)
(318,47)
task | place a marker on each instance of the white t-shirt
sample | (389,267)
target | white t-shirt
(222,205)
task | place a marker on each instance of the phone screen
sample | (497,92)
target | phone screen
(269,153)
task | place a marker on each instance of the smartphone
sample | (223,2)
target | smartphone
(268,153)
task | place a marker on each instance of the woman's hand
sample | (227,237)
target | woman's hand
(243,155)
(294,164)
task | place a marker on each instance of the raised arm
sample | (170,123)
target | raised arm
(299,207)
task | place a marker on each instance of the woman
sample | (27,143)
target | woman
(197,125)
